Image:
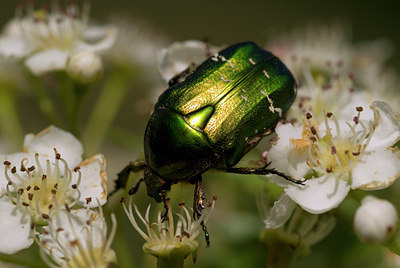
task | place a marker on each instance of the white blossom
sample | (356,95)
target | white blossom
(329,50)
(46,39)
(181,55)
(85,67)
(78,238)
(328,65)
(336,156)
(375,220)
(47,177)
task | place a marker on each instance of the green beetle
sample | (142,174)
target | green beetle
(210,117)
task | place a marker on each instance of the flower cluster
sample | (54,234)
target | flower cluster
(336,156)
(48,177)
(46,38)
(340,139)
(341,135)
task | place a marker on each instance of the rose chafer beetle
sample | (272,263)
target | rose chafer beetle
(210,117)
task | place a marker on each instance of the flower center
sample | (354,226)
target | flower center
(333,152)
(60,28)
(334,155)
(42,190)
(88,257)
(81,242)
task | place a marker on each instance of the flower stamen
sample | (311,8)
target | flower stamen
(38,190)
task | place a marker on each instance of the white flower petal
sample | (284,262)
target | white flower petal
(320,194)
(94,181)
(387,128)
(94,33)
(52,137)
(110,35)
(14,228)
(284,157)
(13,28)
(179,56)
(358,99)
(47,60)
(377,170)
(14,47)
(280,212)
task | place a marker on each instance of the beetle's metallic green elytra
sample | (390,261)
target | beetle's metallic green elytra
(218,113)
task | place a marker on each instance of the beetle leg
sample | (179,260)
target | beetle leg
(206,234)
(123,175)
(165,200)
(264,171)
(198,199)
(198,206)
(135,187)
(180,77)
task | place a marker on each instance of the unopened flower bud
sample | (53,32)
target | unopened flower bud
(85,67)
(375,220)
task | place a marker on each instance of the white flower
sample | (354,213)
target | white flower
(316,92)
(46,39)
(78,238)
(85,67)
(168,240)
(49,176)
(328,65)
(330,50)
(335,157)
(375,220)
(181,55)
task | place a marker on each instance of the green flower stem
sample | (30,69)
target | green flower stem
(281,247)
(45,103)
(10,124)
(394,247)
(173,262)
(279,256)
(80,91)
(67,95)
(112,95)
(72,94)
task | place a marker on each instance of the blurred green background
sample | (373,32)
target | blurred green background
(235,226)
